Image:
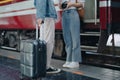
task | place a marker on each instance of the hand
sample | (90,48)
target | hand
(39,22)
(69,4)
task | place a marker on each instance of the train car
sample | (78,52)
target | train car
(17,21)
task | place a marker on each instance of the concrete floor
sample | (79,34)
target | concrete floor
(87,72)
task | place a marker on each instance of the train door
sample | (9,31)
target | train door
(90,30)
(91,11)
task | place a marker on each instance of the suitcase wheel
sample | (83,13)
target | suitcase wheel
(21,76)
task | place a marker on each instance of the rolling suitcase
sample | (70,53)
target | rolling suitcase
(33,58)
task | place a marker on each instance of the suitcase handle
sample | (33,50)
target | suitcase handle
(38,30)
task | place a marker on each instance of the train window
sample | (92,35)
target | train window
(91,9)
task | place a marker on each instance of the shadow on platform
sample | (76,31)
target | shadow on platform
(10,73)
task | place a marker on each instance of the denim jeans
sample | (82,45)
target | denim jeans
(71,34)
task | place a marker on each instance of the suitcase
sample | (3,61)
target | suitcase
(33,58)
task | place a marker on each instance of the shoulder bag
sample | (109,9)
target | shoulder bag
(81,11)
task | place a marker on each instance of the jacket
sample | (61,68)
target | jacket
(45,8)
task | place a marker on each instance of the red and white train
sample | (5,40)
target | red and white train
(17,21)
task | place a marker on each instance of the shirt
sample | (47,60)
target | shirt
(73,1)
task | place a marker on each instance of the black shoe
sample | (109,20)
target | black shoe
(53,70)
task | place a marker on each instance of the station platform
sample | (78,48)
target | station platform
(10,70)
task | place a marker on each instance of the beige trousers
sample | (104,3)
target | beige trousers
(47,33)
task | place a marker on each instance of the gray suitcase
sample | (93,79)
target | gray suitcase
(33,58)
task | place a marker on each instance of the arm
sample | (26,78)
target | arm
(40,10)
(77,4)
(72,4)
(60,2)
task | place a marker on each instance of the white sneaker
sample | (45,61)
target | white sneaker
(66,64)
(73,65)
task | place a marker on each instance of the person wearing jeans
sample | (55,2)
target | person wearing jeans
(45,11)
(71,32)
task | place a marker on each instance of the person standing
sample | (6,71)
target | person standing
(45,11)
(71,31)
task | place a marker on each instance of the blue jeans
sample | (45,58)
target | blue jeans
(71,34)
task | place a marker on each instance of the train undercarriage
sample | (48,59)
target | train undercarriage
(11,39)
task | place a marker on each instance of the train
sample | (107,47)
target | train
(18,22)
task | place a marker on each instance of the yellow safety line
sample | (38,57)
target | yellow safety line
(78,72)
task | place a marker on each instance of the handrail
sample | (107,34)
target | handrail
(95,12)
